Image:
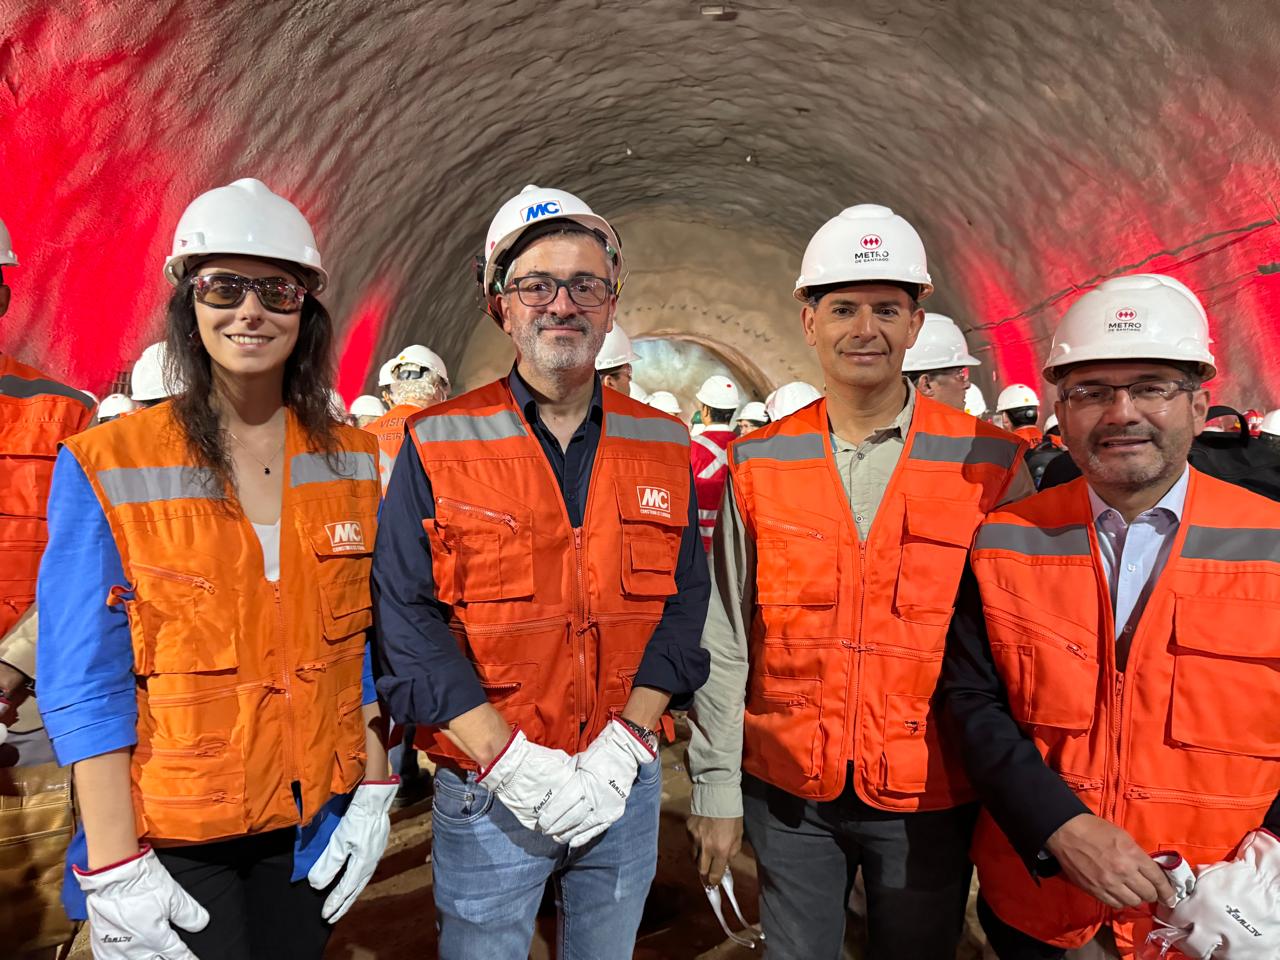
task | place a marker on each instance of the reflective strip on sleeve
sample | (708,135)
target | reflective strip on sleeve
(151,484)
(650,429)
(457,428)
(23,389)
(790,449)
(324,468)
(935,448)
(1069,541)
(1238,544)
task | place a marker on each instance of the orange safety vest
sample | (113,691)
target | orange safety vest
(389,429)
(1182,749)
(244,686)
(36,414)
(847,639)
(553,618)
(1031,434)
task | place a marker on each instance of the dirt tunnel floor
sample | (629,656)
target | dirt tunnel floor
(395,917)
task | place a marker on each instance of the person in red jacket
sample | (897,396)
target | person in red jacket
(709,449)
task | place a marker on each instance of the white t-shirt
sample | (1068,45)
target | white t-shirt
(269,537)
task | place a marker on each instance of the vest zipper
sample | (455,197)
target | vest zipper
(795,528)
(1077,782)
(218,796)
(784,699)
(175,576)
(286,683)
(1117,708)
(580,628)
(493,629)
(211,749)
(1198,799)
(858,648)
(483,513)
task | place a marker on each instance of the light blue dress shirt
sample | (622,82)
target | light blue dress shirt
(1134,554)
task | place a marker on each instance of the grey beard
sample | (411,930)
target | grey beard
(552,359)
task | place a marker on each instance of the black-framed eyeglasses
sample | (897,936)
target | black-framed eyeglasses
(1148,396)
(227,290)
(538,290)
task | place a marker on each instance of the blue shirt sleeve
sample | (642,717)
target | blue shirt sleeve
(84,654)
(674,659)
(422,675)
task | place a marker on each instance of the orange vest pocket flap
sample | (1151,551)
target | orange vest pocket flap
(943,521)
(654,500)
(906,754)
(1209,625)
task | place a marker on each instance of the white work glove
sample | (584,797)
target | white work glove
(525,775)
(593,800)
(357,842)
(131,905)
(1233,910)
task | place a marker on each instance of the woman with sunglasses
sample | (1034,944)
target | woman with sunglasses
(202,651)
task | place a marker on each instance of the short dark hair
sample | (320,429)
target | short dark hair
(720,416)
(552,228)
(1023,416)
(815,294)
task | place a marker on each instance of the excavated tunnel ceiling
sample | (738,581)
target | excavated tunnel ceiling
(1038,146)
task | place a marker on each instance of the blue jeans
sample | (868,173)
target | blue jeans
(490,871)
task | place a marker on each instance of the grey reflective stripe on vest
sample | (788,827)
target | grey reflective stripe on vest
(149,484)
(325,468)
(650,429)
(1239,544)
(454,428)
(1070,541)
(936,448)
(807,446)
(23,389)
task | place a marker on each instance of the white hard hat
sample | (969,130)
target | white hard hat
(1143,316)
(1271,423)
(939,345)
(114,405)
(536,205)
(718,393)
(247,219)
(366,406)
(148,379)
(421,356)
(1051,422)
(975,404)
(753,411)
(637,392)
(1016,395)
(616,349)
(665,401)
(7,257)
(789,398)
(866,242)
(384,373)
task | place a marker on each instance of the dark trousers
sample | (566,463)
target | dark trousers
(255,911)
(1010,943)
(915,868)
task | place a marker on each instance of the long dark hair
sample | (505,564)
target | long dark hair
(307,375)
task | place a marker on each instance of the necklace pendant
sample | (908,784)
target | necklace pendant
(266,471)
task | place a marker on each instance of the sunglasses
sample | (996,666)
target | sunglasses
(227,290)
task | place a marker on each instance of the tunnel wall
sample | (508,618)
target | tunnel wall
(1038,147)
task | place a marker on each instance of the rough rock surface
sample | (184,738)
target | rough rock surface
(1037,146)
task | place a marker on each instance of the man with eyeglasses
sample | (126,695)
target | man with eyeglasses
(1113,666)
(540,591)
(938,362)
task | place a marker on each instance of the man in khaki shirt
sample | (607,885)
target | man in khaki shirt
(860,319)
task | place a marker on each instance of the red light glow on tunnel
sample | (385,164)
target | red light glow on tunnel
(355,355)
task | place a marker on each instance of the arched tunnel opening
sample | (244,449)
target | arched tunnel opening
(1038,148)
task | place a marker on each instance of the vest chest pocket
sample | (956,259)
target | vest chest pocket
(654,512)
(1226,650)
(343,552)
(180,622)
(1051,681)
(796,561)
(936,537)
(480,553)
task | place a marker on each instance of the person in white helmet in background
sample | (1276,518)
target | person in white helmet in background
(365,409)
(1138,714)
(36,413)
(752,416)
(540,590)
(153,379)
(789,398)
(1269,429)
(384,383)
(1020,407)
(719,398)
(205,617)
(615,360)
(115,405)
(665,401)
(836,557)
(938,362)
(975,404)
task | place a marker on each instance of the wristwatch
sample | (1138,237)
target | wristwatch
(646,736)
